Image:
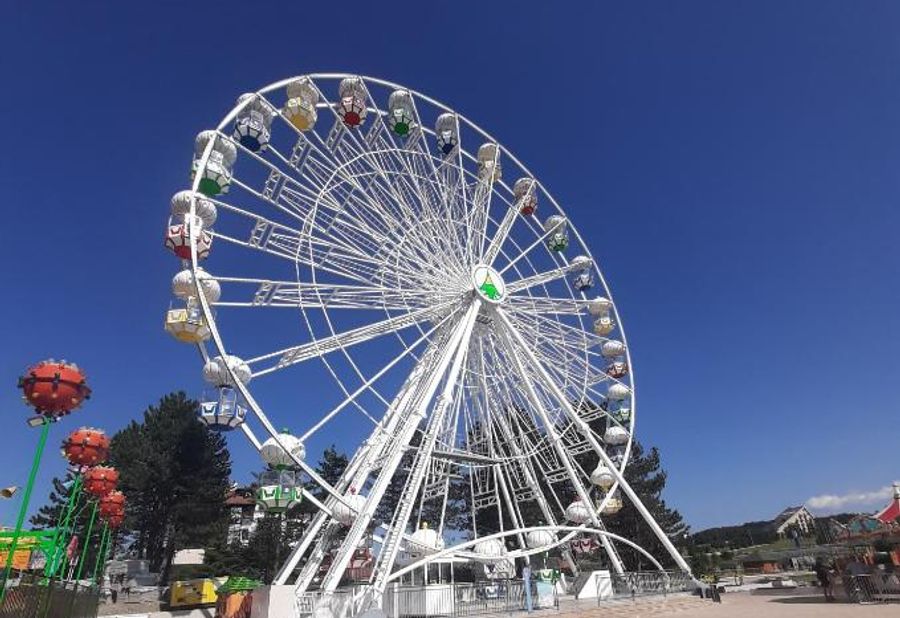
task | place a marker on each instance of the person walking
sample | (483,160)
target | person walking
(823,574)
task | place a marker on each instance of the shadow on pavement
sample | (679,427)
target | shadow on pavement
(804,600)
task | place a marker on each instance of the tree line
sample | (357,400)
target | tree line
(176,474)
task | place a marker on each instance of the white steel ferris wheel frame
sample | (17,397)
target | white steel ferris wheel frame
(441,366)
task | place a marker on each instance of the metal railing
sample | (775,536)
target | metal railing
(32,596)
(456,600)
(466,599)
(644,583)
(872,588)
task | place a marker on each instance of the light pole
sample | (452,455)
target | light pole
(26,497)
(53,389)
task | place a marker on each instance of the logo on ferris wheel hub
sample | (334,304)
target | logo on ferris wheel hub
(488,283)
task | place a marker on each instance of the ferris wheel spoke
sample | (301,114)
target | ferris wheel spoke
(349,145)
(347,213)
(542,237)
(541,278)
(291,294)
(328,254)
(554,391)
(408,350)
(544,449)
(290,195)
(571,362)
(485,188)
(410,183)
(297,354)
(424,241)
(340,203)
(555,329)
(547,305)
(549,425)
(563,344)
(263,227)
(284,246)
(316,163)
(500,236)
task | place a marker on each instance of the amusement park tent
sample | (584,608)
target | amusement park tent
(891,512)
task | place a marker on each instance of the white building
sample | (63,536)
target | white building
(244,513)
(794,516)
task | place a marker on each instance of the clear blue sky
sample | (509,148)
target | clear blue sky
(733,165)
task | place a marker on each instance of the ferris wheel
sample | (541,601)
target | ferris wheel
(358,226)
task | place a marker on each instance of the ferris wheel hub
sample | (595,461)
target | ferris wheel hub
(488,284)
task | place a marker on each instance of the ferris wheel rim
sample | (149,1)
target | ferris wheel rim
(216,335)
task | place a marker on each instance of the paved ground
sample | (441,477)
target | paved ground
(733,605)
(740,605)
(746,605)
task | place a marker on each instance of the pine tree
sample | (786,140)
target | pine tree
(174,473)
(330,467)
(647,478)
(271,542)
(48,516)
(643,473)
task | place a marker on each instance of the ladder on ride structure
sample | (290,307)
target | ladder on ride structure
(414,404)
(367,459)
(398,526)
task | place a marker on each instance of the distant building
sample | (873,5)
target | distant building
(794,517)
(244,513)
(189,556)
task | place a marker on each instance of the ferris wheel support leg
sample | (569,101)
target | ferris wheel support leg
(588,434)
(420,401)
(614,557)
(320,519)
(555,438)
(392,539)
(510,507)
(308,536)
(355,475)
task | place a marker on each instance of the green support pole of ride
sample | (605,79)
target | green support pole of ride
(87,542)
(101,552)
(65,528)
(23,510)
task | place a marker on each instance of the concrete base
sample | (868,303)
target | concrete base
(273,602)
(599,584)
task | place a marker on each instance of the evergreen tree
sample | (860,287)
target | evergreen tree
(643,473)
(48,516)
(270,545)
(430,510)
(647,478)
(330,467)
(271,542)
(174,473)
